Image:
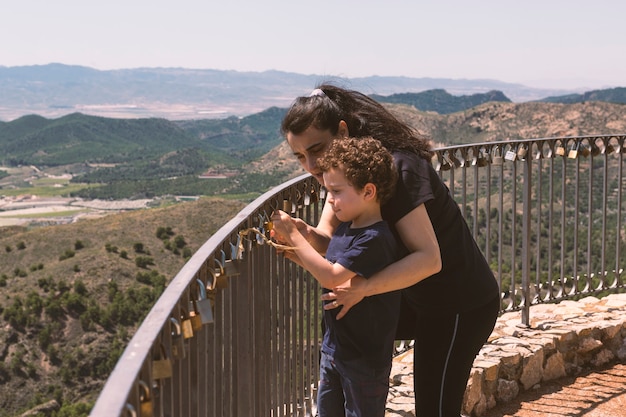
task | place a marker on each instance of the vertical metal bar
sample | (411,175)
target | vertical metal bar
(575,275)
(589,284)
(551,223)
(475,201)
(618,237)
(242,349)
(563,290)
(526,221)
(514,228)
(488,210)
(539,215)
(500,221)
(229,372)
(605,187)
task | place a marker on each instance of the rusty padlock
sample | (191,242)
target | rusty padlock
(162,366)
(194,315)
(145,401)
(185,324)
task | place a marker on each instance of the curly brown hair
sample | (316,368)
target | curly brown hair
(363,160)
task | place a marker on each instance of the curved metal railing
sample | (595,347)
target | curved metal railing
(236,332)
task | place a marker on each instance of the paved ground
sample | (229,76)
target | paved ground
(600,393)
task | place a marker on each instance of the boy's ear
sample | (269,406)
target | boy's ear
(369,191)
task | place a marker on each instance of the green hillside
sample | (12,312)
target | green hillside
(72,295)
(442,102)
(611,95)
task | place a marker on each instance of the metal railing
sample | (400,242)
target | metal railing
(236,332)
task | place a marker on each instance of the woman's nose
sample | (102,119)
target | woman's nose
(310,165)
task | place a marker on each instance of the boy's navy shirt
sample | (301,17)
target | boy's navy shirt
(366,333)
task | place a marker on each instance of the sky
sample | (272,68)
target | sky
(538,43)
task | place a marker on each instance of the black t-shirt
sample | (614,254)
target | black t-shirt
(366,334)
(465,280)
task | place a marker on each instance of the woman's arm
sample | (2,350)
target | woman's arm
(423,260)
(327,274)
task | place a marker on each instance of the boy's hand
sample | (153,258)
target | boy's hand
(283,224)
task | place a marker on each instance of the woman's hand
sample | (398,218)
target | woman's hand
(346,296)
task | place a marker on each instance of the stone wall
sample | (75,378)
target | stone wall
(562,339)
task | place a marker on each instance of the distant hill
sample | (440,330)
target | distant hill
(610,95)
(441,101)
(55,90)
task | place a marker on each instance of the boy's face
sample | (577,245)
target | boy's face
(346,201)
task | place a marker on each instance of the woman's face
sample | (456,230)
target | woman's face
(311,144)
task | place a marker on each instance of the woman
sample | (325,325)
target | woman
(444,278)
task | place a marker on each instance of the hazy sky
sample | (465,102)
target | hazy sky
(540,43)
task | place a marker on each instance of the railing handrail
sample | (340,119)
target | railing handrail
(278,293)
(113,397)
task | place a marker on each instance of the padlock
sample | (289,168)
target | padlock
(178,346)
(510,155)
(314,198)
(231,268)
(521,152)
(130,410)
(204,304)
(185,324)
(609,149)
(444,164)
(220,279)
(573,152)
(162,367)
(595,150)
(194,316)
(145,401)
(480,160)
(584,150)
(559,150)
(267,228)
(497,156)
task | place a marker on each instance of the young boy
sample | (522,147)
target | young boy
(359,175)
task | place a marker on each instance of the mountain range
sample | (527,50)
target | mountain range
(54,90)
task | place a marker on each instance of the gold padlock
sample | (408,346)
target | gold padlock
(187,327)
(145,401)
(162,367)
(194,315)
(559,150)
(573,152)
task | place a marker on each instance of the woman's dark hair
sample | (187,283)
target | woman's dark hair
(329,104)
